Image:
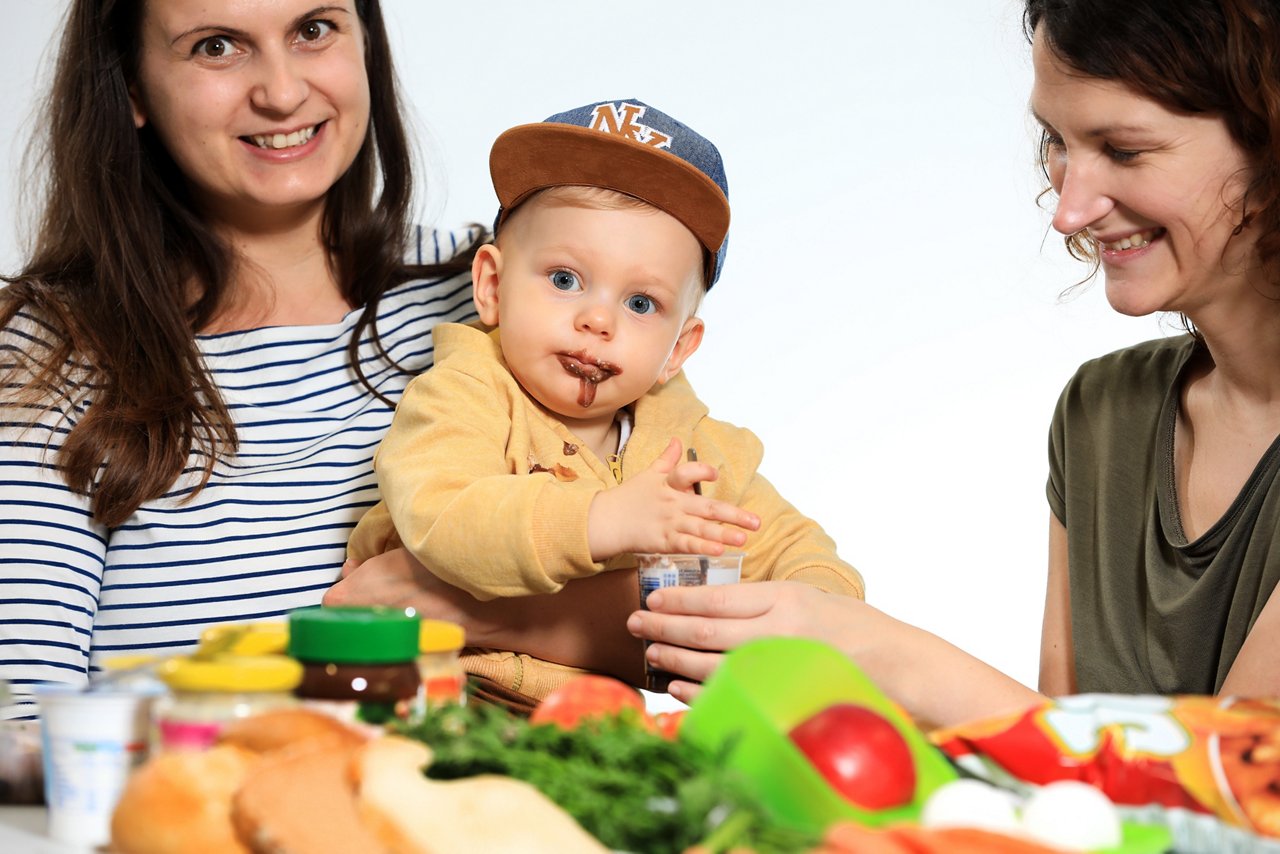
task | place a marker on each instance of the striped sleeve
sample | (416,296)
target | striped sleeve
(52,555)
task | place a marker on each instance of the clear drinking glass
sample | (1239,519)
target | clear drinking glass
(681,570)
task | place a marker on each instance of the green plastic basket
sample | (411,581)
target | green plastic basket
(765,688)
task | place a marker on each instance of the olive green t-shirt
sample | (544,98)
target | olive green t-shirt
(1151,612)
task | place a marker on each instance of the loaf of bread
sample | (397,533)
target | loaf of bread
(414,815)
(302,799)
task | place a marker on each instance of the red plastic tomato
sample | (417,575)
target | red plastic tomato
(586,697)
(860,754)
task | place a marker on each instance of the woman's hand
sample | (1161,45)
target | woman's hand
(938,684)
(691,626)
(396,579)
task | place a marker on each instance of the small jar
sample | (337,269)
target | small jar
(358,664)
(206,695)
(443,678)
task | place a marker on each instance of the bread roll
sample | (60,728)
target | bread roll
(273,730)
(181,802)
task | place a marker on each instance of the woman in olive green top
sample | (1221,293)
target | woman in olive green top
(1162,144)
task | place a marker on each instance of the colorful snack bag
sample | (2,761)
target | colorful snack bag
(1204,756)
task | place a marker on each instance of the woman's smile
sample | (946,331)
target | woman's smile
(1123,250)
(280,140)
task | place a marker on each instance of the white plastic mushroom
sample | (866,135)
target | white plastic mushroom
(971,803)
(1073,815)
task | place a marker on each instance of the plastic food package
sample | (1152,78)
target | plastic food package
(1208,768)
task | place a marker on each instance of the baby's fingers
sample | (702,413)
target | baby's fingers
(699,536)
(684,476)
(689,544)
(723,512)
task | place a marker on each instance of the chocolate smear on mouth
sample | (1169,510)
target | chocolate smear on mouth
(591,372)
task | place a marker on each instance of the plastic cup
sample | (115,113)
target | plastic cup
(92,741)
(681,570)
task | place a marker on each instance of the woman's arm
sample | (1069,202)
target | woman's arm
(1057,657)
(937,683)
(1254,673)
(52,565)
(583,625)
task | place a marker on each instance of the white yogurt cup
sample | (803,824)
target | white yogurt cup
(92,740)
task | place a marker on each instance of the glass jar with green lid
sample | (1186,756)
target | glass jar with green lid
(359,664)
(206,694)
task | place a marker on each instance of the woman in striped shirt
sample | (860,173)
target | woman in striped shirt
(207,343)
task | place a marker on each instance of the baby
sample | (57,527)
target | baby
(551,446)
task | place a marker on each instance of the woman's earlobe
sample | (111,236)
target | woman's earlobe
(135,106)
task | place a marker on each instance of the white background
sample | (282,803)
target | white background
(890,319)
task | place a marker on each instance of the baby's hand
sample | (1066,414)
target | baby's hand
(657,511)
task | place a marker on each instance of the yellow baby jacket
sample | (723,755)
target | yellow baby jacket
(491,492)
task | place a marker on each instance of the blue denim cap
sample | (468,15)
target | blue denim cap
(625,146)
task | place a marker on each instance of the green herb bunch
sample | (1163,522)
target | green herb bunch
(630,788)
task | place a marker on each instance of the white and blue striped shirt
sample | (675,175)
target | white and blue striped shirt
(265,535)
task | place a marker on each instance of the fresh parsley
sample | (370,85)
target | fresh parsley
(630,788)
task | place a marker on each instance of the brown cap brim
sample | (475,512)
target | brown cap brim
(532,157)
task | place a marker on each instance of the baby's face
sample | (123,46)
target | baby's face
(591,303)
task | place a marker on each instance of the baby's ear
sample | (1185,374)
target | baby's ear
(686,344)
(486,272)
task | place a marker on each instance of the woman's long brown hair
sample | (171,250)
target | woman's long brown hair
(120,243)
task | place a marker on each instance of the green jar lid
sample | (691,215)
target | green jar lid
(348,635)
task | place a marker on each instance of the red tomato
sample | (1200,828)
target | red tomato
(860,754)
(668,723)
(586,697)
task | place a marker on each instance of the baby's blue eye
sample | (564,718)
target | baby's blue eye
(564,280)
(641,304)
